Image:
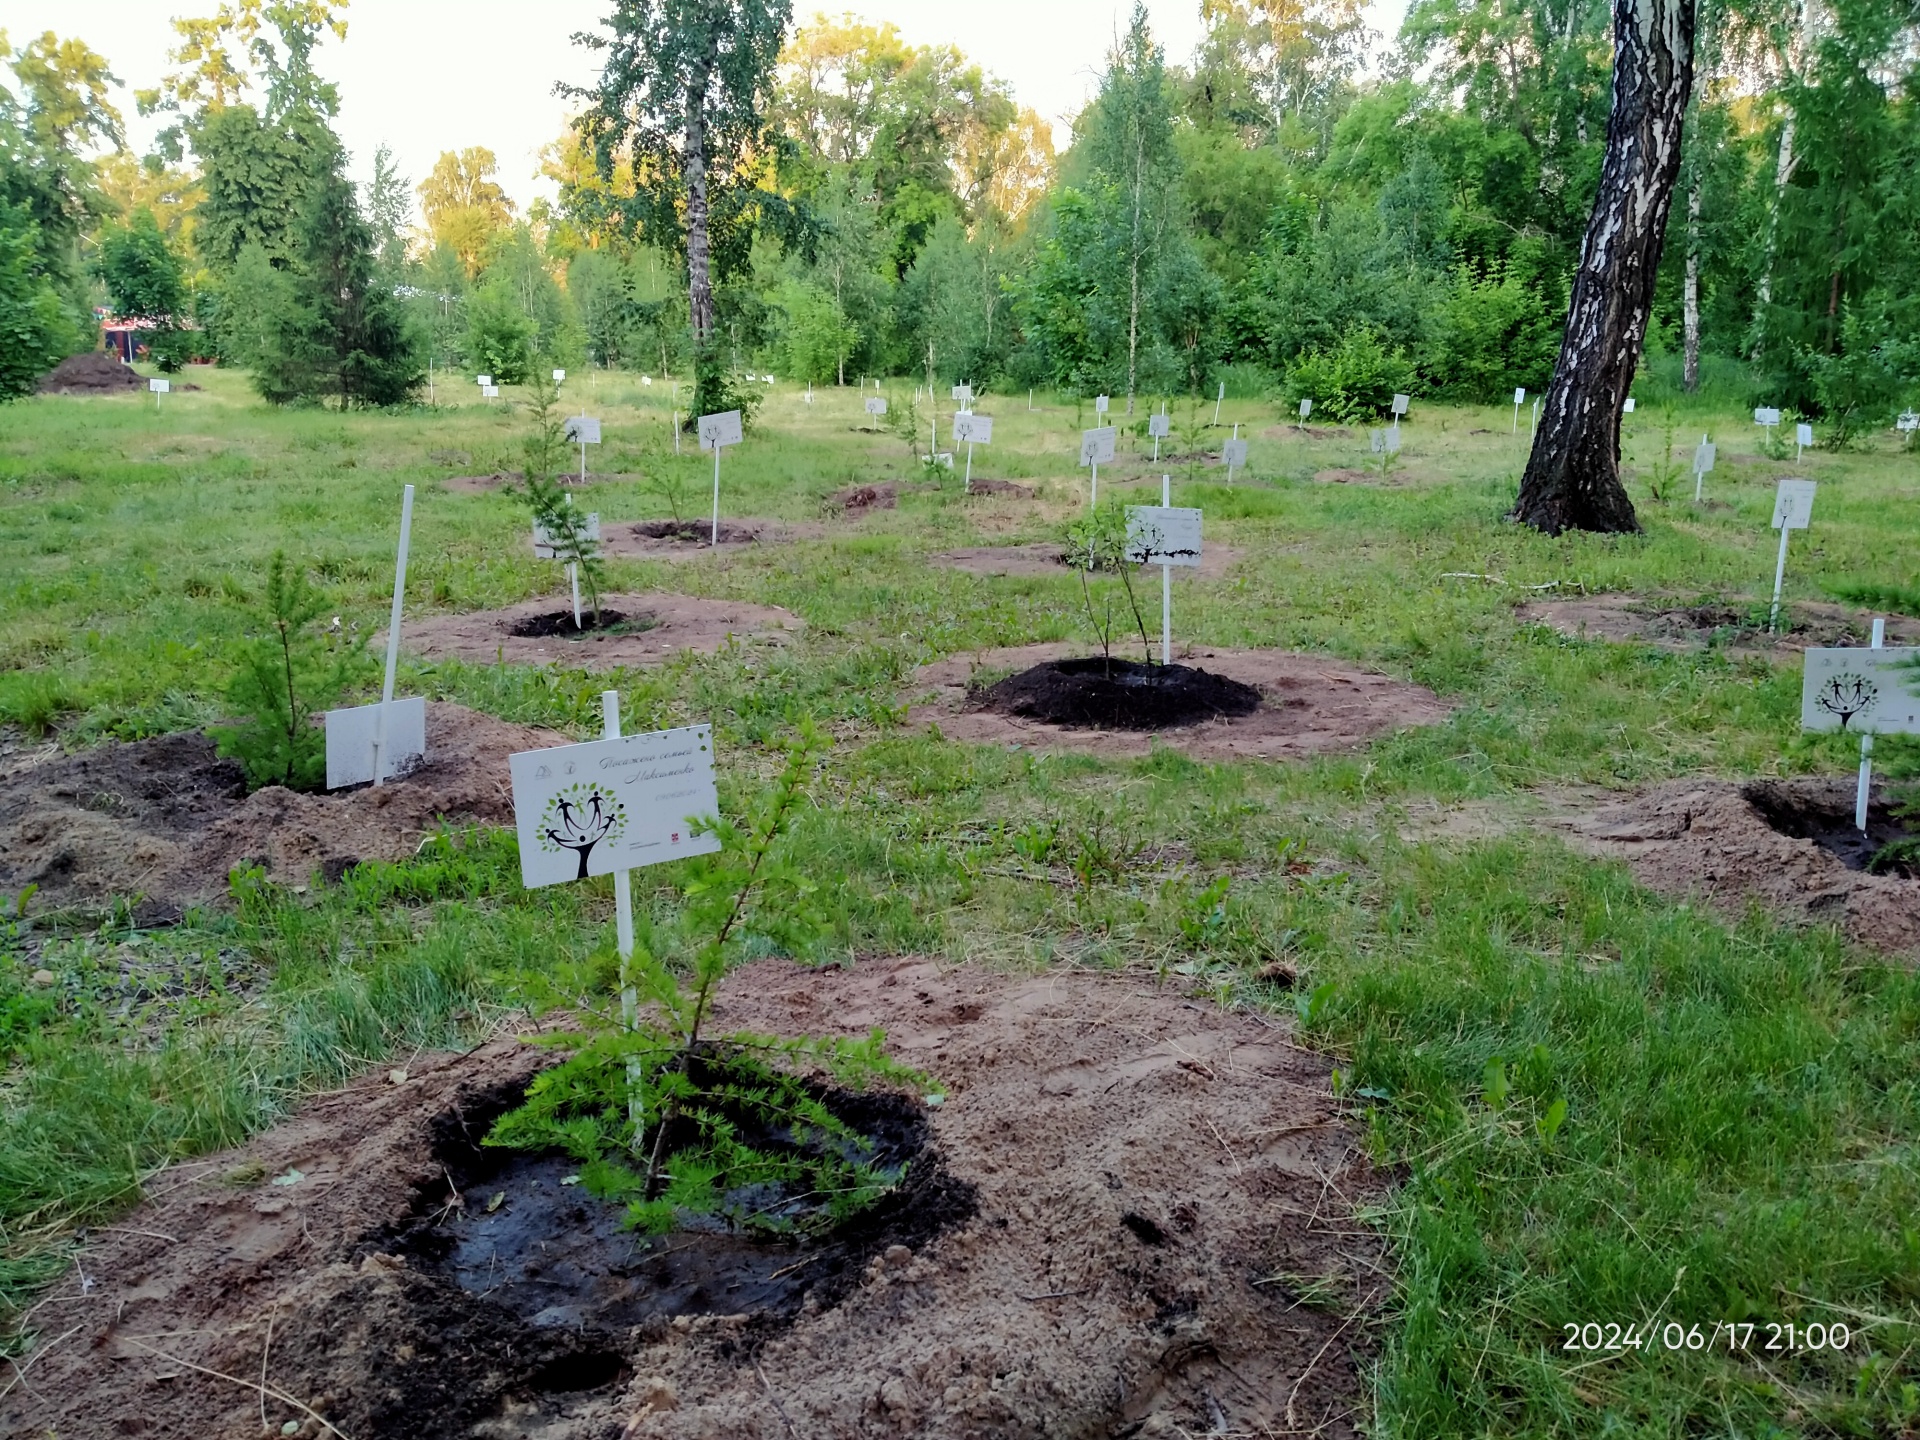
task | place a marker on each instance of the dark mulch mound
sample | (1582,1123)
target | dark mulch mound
(695,532)
(94,373)
(1824,815)
(560,622)
(1119,695)
(1000,487)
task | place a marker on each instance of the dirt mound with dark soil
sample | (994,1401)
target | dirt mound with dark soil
(1736,624)
(1788,844)
(858,499)
(166,819)
(652,629)
(94,373)
(999,487)
(1160,1242)
(1043,558)
(1309,705)
(1348,477)
(1109,694)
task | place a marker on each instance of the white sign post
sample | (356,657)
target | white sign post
(583,430)
(1234,452)
(159,386)
(1862,692)
(876,407)
(484,381)
(544,548)
(1766,417)
(1101,404)
(716,433)
(963,397)
(975,430)
(1158,426)
(1306,409)
(1907,423)
(1222,395)
(371,742)
(1165,537)
(1095,446)
(1702,463)
(1519,399)
(1802,438)
(558,376)
(1792,510)
(1533,425)
(1627,409)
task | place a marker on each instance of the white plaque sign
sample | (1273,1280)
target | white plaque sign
(611,805)
(1163,535)
(543,548)
(558,376)
(1519,394)
(963,393)
(485,380)
(1803,435)
(1159,426)
(1096,446)
(1629,405)
(1908,420)
(720,430)
(492,392)
(1306,408)
(876,406)
(1793,505)
(1703,457)
(1400,404)
(1100,404)
(1234,453)
(1766,415)
(350,741)
(583,430)
(1861,691)
(973,429)
(160,387)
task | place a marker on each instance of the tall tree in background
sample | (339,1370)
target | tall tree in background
(1130,142)
(682,106)
(463,205)
(145,280)
(1572,480)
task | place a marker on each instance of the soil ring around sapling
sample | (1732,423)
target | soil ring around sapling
(978,488)
(1104,692)
(690,539)
(1309,705)
(1137,1217)
(165,820)
(652,629)
(1738,624)
(1042,558)
(1789,845)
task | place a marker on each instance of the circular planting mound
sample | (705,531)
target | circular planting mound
(1791,845)
(1302,704)
(1043,558)
(1737,624)
(562,623)
(166,819)
(696,532)
(93,373)
(1133,1215)
(645,629)
(1119,695)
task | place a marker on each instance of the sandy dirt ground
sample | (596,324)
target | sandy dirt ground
(673,623)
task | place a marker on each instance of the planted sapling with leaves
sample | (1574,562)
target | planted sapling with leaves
(1098,543)
(674,1121)
(289,673)
(568,531)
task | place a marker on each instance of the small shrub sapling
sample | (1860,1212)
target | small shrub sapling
(674,1121)
(546,451)
(288,674)
(1098,542)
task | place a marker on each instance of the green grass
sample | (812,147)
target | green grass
(1592,1104)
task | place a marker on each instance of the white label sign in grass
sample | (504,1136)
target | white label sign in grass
(1400,404)
(543,546)
(558,376)
(160,387)
(963,393)
(1096,446)
(1163,535)
(1100,403)
(352,734)
(1159,426)
(876,406)
(720,430)
(492,392)
(1908,420)
(583,430)
(1766,415)
(1628,407)
(484,381)
(612,805)
(1234,453)
(1519,396)
(973,429)
(1306,409)
(1861,691)
(1803,435)
(1793,504)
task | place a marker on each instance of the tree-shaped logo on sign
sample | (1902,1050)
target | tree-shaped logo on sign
(1846,695)
(579,818)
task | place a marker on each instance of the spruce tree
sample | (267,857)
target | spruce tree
(340,333)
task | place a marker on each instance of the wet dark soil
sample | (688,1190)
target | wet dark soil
(696,532)
(516,1229)
(1119,695)
(560,622)
(92,373)
(1826,818)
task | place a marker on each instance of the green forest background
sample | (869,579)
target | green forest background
(1286,212)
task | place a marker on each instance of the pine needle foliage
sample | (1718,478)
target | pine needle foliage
(288,673)
(674,1122)
(565,524)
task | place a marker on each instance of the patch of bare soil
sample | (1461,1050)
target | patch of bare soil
(856,500)
(1106,693)
(1008,488)
(1043,558)
(92,373)
(1738,624)
(688,539)
(1788,844)
(1144,1228)
(166,819)
(652,629)
(1309,705)
(1347,477)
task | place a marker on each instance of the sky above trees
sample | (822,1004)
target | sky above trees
(428,76)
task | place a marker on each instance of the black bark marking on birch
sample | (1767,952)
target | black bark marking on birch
(1572,480)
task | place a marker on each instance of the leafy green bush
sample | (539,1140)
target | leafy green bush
(716,389)
(1491,334)
(35,329)
(1355,380)
(288,674)
(1860,387)
(673,1121)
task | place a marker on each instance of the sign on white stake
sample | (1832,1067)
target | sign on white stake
(491,392)
(1163,535)
(611,805)
(970,429)
(963,394)
(1159,426)
(558,376)
(1306,409)
(1792,510)
(1802,438)
(160,387)
(1234,453)
(1100,404)
(1400,404)
(876,407)
(543,543)
(1861,691)
(1628,407)
(1766,416)
(1096,446)
(484,381)
(1702,463)
(1908,421)
(1519,399)
(583,430)
(353,734)
(718,431)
